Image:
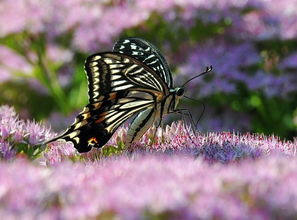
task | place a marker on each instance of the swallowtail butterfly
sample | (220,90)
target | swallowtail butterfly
(134,79)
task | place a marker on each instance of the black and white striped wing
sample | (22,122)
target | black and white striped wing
(119,87)
(146,53)
(113,72)
(95,125)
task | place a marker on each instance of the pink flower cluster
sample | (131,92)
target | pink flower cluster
(15,132)
(11,62)
(271,19)
(150,186)
(170,173)
(178,138)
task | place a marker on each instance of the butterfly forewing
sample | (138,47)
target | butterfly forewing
(95,125)
(148,54)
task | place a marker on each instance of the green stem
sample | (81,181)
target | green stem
(49,79)
(45,75)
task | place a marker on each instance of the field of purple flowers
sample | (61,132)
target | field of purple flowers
(239,163)
(178,175)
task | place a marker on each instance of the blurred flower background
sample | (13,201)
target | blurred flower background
(251,45)
(222,171)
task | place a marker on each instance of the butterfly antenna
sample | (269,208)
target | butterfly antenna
(208,69)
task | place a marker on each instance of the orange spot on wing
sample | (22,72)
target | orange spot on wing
(101,117)
(112,96)
(97,105)
(159,95)
(92,141)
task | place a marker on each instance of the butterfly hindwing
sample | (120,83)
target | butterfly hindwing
(111,72)
(146,53)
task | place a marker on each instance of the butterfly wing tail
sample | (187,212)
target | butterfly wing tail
(60,137)
(68,137)
(85,137)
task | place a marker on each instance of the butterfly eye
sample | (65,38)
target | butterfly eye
(180,91)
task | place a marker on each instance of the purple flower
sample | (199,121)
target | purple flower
(290,61)
(15,128)
(10,63)
(56,153)
(150,185)
(272,85)
(177,138)
(25,15)
(59,122)
(6,151)
(6,112)
(266,20)
(226,120)
(257,24)
(15,133)
(227,61)
(10,125)
(4,74)
(168,173)
(36,133)
(213,146)
(93,21)
(58,54)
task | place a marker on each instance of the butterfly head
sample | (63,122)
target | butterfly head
(179,91)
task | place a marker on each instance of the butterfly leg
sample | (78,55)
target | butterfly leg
(160,124)
(188,113)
